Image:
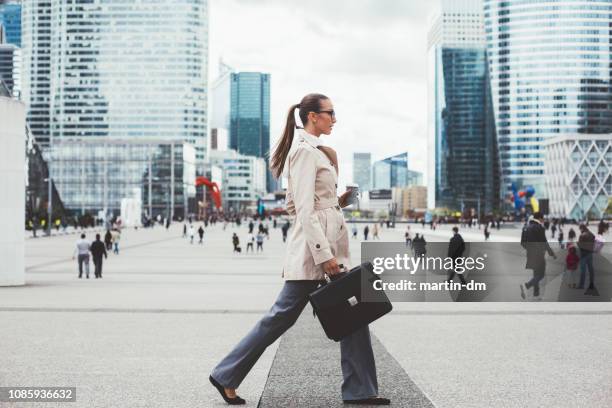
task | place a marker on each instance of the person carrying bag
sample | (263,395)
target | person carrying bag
(316,247)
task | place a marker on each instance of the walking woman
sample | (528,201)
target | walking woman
(318,244)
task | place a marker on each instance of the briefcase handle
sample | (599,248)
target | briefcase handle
(328,279)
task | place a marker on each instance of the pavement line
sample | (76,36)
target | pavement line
(261,311)
(306,372)
(30,268)
(127,310)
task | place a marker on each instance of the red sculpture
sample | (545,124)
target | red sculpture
(213,187)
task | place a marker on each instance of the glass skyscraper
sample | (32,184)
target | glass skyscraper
(391,172)
(550,64)
(362,170)
(463,167)
(10,19)
(250,116)
(36,78)
(10,68)
(120,69)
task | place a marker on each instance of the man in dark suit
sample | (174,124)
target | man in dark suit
(456,247)
(98,249)
(534,240)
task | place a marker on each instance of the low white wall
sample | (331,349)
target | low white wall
(12,192)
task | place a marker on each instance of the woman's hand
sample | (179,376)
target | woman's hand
(331,267)
(344,199)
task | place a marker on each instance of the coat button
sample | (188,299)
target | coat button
(318,246)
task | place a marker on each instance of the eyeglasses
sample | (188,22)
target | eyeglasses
(331,112)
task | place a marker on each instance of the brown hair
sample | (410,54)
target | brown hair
(309,103)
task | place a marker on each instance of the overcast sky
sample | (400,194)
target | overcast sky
(368,56)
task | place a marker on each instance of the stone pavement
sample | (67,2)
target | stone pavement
(166,311)
(306,372)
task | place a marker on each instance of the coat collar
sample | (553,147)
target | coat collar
(312,140)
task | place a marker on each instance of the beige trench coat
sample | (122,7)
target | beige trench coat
(319,233)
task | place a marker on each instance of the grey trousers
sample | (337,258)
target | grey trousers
(357,358)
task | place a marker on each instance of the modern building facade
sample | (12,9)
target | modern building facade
(390,172)
(550,75)
(462,153)
(10,19)
(250,117)
(578,175)
(122,70)
(243,178)
(362,170)
(96,173)
(407,200)
(10,68)
(219,139)
(221,98)
(36,60)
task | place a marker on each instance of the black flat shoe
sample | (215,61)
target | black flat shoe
(231,401)
(369,401)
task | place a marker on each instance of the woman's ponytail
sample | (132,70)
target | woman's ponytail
(284,144)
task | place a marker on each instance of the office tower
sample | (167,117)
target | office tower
(10,65)
(10,19)
(391,172)
(126,71)
(36,78)
(250,117)
(218,139)
(243,178)
(550,75)
(221,98)
(362,170)
(462,163)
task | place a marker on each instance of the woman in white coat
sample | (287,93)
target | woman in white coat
(318,245)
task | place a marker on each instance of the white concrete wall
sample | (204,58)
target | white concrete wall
(12,192)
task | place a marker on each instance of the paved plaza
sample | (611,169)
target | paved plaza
(166,311)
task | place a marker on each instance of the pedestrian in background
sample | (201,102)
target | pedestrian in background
(201,234)
(571,265)
(285,230)
(98,250)
(250,243)
(116,235)
(586,244)
(236,242)
(375,232)
(366,231)
(456,247)
(191,233)
(260,241)
(81,251)
(533,239)
(108,240)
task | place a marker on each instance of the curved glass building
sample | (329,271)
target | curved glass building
(550,67)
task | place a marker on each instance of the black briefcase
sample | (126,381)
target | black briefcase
(338,303)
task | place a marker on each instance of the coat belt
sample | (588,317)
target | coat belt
(324,204)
